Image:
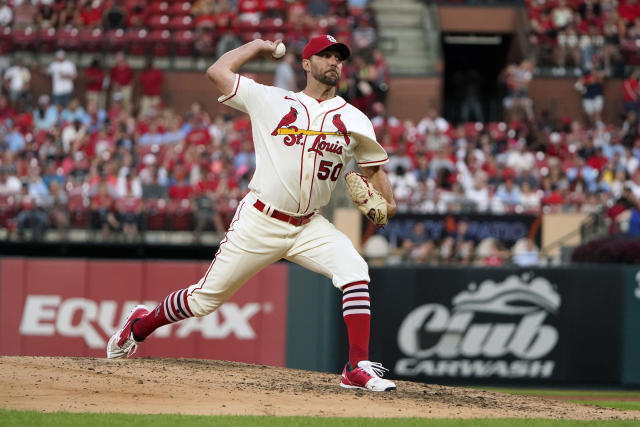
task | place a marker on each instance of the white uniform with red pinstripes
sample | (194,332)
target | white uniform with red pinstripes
(302,148)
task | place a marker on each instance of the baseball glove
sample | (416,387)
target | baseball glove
(367,199)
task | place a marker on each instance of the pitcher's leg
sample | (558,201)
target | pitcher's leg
(322,248)
(249,246)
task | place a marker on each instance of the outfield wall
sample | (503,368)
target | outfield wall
(573,325)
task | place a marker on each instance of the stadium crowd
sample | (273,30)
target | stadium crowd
(568,33)
(117,164)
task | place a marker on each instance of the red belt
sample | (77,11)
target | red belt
(293,220)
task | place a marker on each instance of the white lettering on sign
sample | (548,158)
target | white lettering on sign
(95,322)
(460,342)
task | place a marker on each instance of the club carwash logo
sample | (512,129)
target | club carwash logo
(50,315)
(495,329)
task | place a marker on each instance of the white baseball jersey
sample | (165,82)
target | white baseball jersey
(302,145)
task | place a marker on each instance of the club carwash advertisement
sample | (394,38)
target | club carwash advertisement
(72,307)
(476,325)
(502,329)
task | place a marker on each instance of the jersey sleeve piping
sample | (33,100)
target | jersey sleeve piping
(225,98)
(374,163)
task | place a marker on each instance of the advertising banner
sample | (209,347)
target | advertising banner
(507,228)
(498,325)
(61,307)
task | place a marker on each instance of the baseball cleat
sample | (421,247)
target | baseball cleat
(121,344)
(367,376)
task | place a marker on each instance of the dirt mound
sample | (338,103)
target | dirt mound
(209,387)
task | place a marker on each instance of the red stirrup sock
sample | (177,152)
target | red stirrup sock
(173,309)
(357,316)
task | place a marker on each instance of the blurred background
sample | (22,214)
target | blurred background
(513,134)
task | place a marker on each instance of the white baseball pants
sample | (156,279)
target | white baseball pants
(255,240)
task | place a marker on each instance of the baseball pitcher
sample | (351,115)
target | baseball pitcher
(303,141)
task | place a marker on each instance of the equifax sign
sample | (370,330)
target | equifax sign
(96,321)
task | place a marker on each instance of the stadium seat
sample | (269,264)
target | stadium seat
(47,40)
(158,8)
(158,22)
(6,40)
(181,23)
(160,42)
(183,43)
(156,214)
(274,25)
(8,208)
(115,40)
(78,208)
(68,39)
(181,8)
(91,40)
(180,215)
(137,42)
(24,39)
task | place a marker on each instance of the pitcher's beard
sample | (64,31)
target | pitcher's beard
(327,79)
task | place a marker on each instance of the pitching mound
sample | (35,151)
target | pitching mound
(207,387)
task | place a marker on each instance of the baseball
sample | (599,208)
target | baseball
(279,51)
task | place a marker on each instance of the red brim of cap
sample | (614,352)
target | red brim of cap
(319,44)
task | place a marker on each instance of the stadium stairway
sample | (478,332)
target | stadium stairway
(409,36)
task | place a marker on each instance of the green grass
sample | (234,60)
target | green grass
(37,419)
(616,404)
(607,394)
(603,398)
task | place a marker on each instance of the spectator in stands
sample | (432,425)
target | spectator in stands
(508,194)
(318,8)
(457,245)
(6,112)
(103,211)
(151,81)
(63,73)
(179,188)
(89,14)
(79,169)
(471,91)
(154,178)
(529,199)
(591,88)
(56,205)
(561,15)
(17,82)
(517,79)
(629,10)
(94,76)
(74,112)
(47,16)
(6,14)
(122,79)
(630,130)
(364,34)
(128,182)
(285,76)
(13,140)
(417,247)
(30,215)
(631,92)
(45,115)
(9,183)
(476,191)
(24,14)
(526,253)
(129,212)
(71,134)
(115,17)
(612,31)
(490,253)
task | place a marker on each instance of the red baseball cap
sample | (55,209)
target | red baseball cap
(319,43)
